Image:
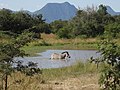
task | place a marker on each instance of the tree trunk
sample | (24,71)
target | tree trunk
(1,88)
(6,80)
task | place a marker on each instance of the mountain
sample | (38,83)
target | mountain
(111,11)
(63,11)
(56,11)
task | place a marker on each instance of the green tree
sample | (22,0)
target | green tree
(110,75)
(56,25)
(102,10)
(87,23)
(8,51)
(5,19)
(18,22)
(64,33)
(112,30)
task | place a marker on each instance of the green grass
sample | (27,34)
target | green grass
(39,46)
(33,49)
(71,71)
(51,42)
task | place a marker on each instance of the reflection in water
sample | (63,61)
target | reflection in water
(44,61)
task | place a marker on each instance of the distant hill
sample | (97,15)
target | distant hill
(111,11)
(63,11)
(56,11)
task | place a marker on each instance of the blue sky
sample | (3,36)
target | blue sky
(33,5)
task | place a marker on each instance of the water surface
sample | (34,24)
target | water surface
(44,61)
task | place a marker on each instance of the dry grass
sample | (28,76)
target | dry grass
(83,82)
(77,77)
(50,41)
(52,38)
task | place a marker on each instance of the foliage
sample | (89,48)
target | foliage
(30,69)
(91,22)
(110,75)
(102,10)
(8,51)
(18,22)
(64,33)
(5,19)
(57,25)
(112,30)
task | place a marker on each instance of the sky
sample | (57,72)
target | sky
(33,5)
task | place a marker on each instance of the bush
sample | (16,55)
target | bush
(110,76)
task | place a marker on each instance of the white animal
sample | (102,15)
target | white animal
(63,55)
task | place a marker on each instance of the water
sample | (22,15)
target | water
(44,61)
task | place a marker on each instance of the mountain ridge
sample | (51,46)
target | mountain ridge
(111,11)
(60,11)
(56,11)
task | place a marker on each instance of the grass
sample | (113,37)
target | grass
(71,71)
(66,78)
(81,76)
(52,42)
(75,70)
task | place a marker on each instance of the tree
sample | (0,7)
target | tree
(112,30)
(102,10)
(87,23)
(64,33)
(8,51)
(5,19)
(57,24)
(110,76)
(20,22)
(17,22)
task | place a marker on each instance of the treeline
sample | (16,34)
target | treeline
(15,23)
(87,23)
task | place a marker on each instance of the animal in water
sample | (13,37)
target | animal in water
(63,55)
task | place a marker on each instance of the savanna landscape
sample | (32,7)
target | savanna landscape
(24,35)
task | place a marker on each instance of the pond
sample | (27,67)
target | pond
(43,59)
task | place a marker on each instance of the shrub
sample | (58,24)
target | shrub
(110,75)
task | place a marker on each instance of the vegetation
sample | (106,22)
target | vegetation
(110,75)
(91,22)
(18,22)
(52,78)
(52,42)
(8,51)
(88,23)
(84,31)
